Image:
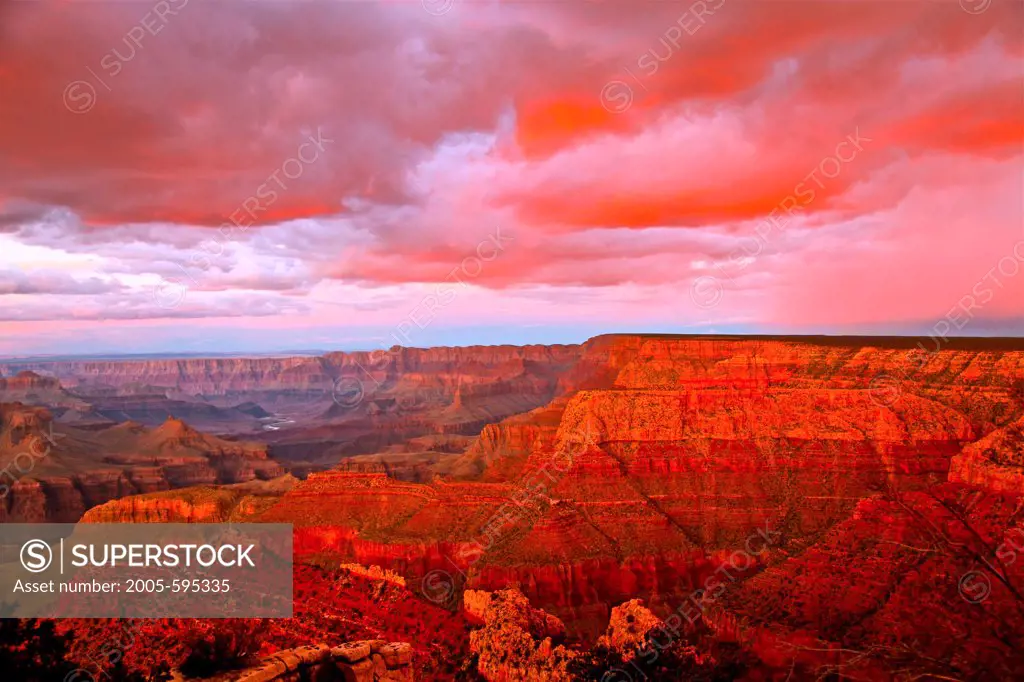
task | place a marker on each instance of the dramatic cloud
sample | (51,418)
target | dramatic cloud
(316,167)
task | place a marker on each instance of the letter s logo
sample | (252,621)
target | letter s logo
(36,556)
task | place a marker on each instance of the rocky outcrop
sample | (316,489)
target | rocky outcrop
(995,461)
(517,641)
(25,380)
(54,472)
(224,504)
(172,443)
(417,459)
(23,426)
(628,628)
(501,449)
(34,389)
(485,607)
(364,661)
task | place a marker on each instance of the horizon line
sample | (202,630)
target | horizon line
(949,340)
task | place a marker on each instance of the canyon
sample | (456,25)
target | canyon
(629,466)
(666,455)
(53,472)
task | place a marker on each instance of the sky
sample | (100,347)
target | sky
(185,176)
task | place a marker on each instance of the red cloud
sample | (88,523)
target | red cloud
(442,130)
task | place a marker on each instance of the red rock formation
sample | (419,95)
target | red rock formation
(928,583)
(524,368)
(517,641)
(501,449)
(54,472)
(628,628)
(634,466)
(360,661)
(31,388)
(676,450)
(21,425)
(196,376)
(417,459)
(27,381)
(483,607)
(995,461)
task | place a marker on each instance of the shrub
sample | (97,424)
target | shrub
(151,649)
(32,650)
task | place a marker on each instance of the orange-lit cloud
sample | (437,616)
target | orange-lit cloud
(622,152)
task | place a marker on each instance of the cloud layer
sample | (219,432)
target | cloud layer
(337,169)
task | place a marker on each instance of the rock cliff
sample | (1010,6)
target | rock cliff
(423,369)
(927,583)
(33,389)
(995,461)
(55,472)
(632,466)
(667,452)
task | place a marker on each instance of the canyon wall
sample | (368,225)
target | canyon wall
(667,453)
(631,465)
(440,367)
(54,472)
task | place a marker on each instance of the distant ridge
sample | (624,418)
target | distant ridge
(129,357)
(928,343)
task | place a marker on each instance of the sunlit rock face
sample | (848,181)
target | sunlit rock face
(660,457)
(629,466)
(54,472)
